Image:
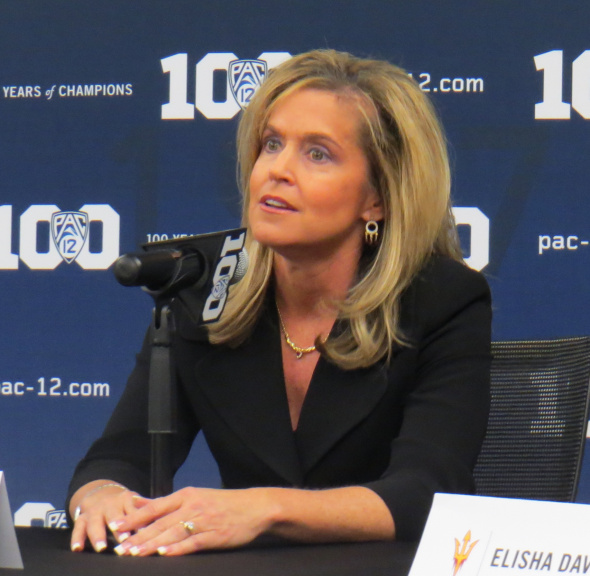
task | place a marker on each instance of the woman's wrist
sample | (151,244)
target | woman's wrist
(269,507)
(89,490)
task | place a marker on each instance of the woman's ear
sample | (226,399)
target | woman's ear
(374,209)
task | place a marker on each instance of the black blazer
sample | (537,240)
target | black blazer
(406,429)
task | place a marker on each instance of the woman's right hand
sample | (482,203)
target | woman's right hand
(94,506)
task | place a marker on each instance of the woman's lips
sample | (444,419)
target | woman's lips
(276,203)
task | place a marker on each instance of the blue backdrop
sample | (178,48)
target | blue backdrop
(121,111)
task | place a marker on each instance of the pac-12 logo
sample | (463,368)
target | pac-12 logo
(49,236)
(245,76)
(69,231)
(41,514)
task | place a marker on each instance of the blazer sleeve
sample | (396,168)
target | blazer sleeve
(122,453)
(448,314)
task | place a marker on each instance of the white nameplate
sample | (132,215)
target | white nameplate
(482,536)
(9,551)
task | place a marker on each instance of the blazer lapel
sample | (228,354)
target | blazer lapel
(246,387)
(337,400)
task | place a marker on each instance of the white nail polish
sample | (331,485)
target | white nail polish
(120,550)
(135,550)
(76,546)
(162,550)
(100,546)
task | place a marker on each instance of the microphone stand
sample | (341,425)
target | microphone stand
(161,398)
(162,379)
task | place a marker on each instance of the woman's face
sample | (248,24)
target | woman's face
(310,184)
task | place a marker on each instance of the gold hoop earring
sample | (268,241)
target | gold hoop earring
(371,232)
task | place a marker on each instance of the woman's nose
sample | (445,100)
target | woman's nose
(282,166)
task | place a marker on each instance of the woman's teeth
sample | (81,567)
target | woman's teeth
(275,203)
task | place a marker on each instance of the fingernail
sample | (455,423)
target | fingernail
(100,546)
(76,546)
(123,536)
(136,550)
(162,550)
(120,549)
(115,525)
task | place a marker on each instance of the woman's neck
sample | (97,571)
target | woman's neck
(307,286)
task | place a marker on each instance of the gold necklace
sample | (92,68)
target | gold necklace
(299,352)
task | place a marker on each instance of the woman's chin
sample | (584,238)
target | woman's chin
(271,236)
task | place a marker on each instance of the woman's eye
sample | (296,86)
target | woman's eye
(317,154)
(271,145)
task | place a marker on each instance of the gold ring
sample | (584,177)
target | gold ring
(189,527)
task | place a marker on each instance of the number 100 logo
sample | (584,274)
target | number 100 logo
(49,236)
(553,107)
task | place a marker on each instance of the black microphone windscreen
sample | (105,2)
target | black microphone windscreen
(145,269)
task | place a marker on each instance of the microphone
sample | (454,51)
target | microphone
(198,269)
(154,270)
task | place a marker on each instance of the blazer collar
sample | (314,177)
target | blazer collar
(246,387)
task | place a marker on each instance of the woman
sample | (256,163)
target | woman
(348,379)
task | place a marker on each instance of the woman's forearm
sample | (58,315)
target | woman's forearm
(353,513)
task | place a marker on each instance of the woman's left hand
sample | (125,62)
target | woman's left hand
(193,519)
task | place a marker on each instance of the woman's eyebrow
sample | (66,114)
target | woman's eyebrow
(306,136)
(269,128)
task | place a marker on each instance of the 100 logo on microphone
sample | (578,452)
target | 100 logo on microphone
(231,259)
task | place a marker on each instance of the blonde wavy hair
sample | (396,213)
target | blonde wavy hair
(406,149)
